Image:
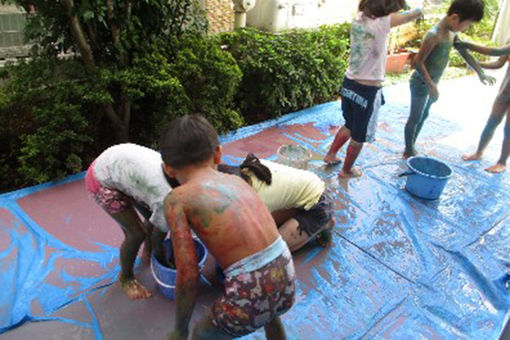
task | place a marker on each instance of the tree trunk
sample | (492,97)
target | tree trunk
(120,120)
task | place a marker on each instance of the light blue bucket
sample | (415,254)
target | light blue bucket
(167,277)
(427,177)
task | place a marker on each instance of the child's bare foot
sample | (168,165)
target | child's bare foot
(473,157)
(332,160)
(133,289)
(496,169)
(354,172)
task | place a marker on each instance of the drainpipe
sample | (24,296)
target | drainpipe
(240,9)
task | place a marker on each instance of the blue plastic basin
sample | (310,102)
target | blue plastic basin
(427,177)
(167,277)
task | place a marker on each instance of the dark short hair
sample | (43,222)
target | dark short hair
(467,9)
(188,140)
(380,8)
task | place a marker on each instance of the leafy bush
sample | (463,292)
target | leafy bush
(46,127)
(52,116)
(289,71)
(210,77)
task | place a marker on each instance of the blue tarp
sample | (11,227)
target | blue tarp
(400,267)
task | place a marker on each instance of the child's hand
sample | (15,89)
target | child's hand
(433,93)
(487,80)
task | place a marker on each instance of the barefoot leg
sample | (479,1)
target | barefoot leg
(353,151)
(134,237)
(495,118)
(500,166)
(342,136)
(418,103)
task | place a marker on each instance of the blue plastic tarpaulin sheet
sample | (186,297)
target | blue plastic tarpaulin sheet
(399,267)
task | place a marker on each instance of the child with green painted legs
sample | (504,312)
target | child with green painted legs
(238,230)
(431,61)
(361,88)
(500,108)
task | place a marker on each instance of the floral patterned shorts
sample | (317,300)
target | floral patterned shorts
(253,299)
(112,201)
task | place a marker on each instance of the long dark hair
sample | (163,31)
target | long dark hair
(380,8)
(251,163)
(260,171)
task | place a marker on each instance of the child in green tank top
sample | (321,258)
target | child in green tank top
(431,61)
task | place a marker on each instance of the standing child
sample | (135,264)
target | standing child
(235,225)
(500,108)
(431,61)
(361,89)
(123,179)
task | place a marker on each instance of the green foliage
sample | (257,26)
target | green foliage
(116,30)
(52,118)
(211,78)
(289,71)
(45,126)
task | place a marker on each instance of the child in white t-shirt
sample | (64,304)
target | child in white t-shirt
(361,89)
(124,179)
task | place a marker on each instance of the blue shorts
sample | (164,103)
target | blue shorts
(360,109)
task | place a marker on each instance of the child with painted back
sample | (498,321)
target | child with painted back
(123,180)
(238,230)
(431,61)
(500,108)
(361,89)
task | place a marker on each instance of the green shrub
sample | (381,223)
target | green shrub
(289,71)
(52,112)
(210,77)
(44,121)
(52,119)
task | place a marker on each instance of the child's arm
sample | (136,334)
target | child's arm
(186,290)
(429,43)
(493,65)
(495,52)
(470,60)
(401,18)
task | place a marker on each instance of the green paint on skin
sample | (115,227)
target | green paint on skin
(438,58)
(203,216)
(204,207)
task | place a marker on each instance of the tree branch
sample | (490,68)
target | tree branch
(114,28)
(79,35)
